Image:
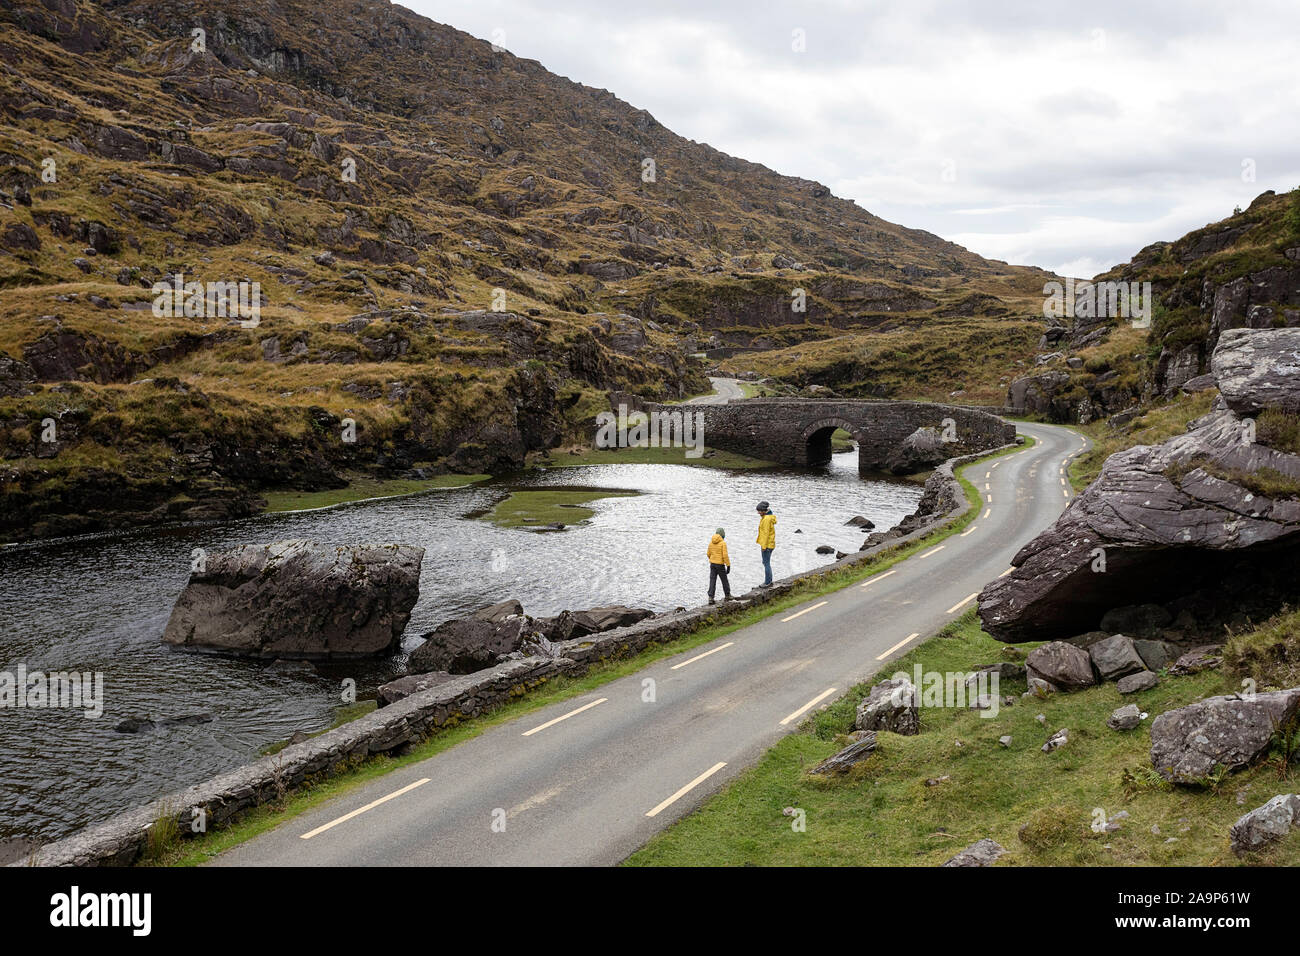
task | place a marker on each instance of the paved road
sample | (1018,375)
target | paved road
(590,779)
(724,390)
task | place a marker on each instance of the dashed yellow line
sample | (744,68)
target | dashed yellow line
(360,810)
(910,637)
(805,611)
(701,656)
(963,601)
(809,706)
(876,577)
(572,713)
(687,789)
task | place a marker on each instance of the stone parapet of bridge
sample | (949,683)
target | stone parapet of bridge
(796,431)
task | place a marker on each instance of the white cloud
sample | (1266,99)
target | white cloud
(1078,134)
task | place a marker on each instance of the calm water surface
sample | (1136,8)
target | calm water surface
(101,603)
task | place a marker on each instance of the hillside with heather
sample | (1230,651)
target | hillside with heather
(458,254)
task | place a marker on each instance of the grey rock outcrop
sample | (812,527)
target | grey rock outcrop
(984,853)
(299,600)
(845,760)
(1258,370)
(1188,743)
(1265,824)
(1185,520)
(892,705)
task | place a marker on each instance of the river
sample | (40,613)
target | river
(100,603)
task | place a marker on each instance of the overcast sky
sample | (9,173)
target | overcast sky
(1062,135)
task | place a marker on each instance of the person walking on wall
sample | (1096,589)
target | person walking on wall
(719,565)
(766,539)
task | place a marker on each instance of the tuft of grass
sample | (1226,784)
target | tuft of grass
(164,836)
(1278,430)
(1270,654)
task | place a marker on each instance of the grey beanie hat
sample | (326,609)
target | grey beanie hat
(720,533)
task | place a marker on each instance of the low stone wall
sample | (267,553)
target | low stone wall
(120,840)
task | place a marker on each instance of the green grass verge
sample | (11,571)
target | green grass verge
(525,509)
(251,823)
(918,800)
(362,489)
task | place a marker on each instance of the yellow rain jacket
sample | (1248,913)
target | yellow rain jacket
(718,551)
(766,531)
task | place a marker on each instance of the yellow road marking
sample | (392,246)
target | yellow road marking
(910,637)
(705,654)
(808,706)
(965,600)
(552,723)
(369,806)
(805,611)
(687,789)
(877,577)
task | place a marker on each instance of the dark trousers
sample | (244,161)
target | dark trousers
(717,571)
(767,565)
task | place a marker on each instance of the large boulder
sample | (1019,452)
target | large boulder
(1209,518)
(1062,665)
(1265,824)
(892,705)
(922,449)
(1188,743)
(1258,370)
(468,644)
(299,600)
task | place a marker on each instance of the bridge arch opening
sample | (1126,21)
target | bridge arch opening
(816,440)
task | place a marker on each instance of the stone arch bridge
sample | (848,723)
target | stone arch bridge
(797,432)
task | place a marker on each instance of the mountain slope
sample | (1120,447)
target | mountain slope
(456,250)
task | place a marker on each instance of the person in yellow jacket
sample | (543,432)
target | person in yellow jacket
(766,539)
(719,565)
